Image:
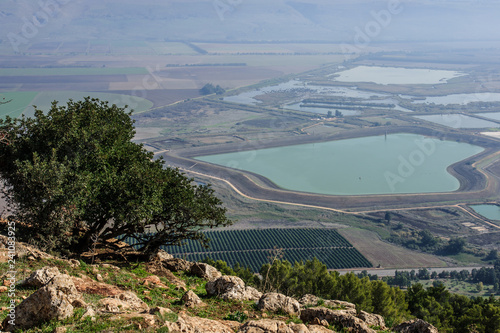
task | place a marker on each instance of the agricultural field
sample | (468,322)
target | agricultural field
(22,101)
(385,255)
(64,71)
(256,247)
(16,103)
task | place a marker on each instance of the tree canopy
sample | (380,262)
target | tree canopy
(74,177)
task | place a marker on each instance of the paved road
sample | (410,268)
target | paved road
(392,272)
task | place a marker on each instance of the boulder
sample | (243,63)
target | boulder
(319,329)
(160,310)
(265,326)
(121,303)
(40,277)
(231,287)
(335,317)
(191,300)
(88,286)
(372,319)
(311,300)
(298,328)
(415,326)
(177,265)
(161,255)
(55,300)
(275,302)
(205,271)
(187,324)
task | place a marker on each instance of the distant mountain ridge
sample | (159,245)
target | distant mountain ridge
(254,20)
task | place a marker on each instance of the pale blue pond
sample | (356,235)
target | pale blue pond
(491,212)
(396,163)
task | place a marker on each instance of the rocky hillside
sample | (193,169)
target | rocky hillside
(164,294)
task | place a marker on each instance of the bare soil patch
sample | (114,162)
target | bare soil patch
(387,255)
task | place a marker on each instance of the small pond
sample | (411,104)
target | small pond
(491,212)
(396,75)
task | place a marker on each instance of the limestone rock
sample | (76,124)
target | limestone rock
(161,255)
(298,328)
(191,300)
(205,271)
(74,263)
(40,277)
(372,319)
(24,250)
(160,310)
(156,268)
(308,300)
(89,313)
(88,286)
(319,329)
(124,302)
(336,317)
(55,300)
(415,326)
(231,287)
(187,324)
(275,302)
(265,326)
(177,264)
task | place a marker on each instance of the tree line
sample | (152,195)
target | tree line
(447,311)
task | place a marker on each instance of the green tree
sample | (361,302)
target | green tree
(74,177)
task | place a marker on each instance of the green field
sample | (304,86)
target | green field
(73,71)
(254,247)
(19,101)
(44,100)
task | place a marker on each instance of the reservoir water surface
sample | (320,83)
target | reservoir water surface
(396,163)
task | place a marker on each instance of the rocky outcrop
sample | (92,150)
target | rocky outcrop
(205,271)
(122,303)
(276,326)
(311,300)
(177,265)
(187,324)
(275,302)
(55,300)
(319,329)
(23,250)
(157,268)
(265,326)
(335,317)
(415,326)
(40,277)
(231,287)
(161,255)
(191,300)
(372,319)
